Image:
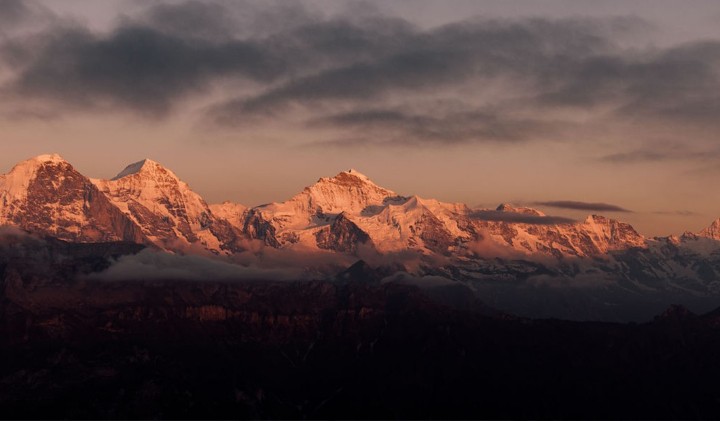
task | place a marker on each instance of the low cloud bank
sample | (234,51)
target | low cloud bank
(156,265)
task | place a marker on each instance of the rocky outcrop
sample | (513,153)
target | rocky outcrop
(341,236)
(258,228)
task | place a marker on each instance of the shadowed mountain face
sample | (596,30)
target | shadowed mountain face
(351,348)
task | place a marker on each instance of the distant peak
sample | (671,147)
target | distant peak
(712,231)
(138,167)
(356,173)
(49,158)
(507,207)
(352,178)
(351,174)
(37,161)
(597,219)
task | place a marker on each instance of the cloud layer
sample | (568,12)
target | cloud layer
(370,77)
(155,265)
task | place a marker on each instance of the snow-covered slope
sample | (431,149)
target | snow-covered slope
(343,213)
(298,219)
(424,225)
(47,195)
(347,211)
(167,211)
(596,235)
(234,213)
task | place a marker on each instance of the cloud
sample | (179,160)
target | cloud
(677,213)
(637,156)
(14,13)
(134,67)
(432,60)
(584,206)
(190,19)
(443,125)
(12,236)
(519,218)
(485,247)
(372,78)
(661,153)
(156,265)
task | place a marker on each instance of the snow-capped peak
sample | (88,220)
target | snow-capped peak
(146,166)
(160,203)
(713,231)
(352,179)
(34,162)
(14,184)
(356,173)
(53,158)
(349,191)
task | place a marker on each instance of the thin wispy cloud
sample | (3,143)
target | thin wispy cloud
(677,213)
(584,206)
(662,153)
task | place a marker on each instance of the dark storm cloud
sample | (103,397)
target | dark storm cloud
(519,218)
(150,62)
(584,206)
(16,13)
(438,59)
(224,19)
(680,83)
(135,67)
(192,19)
(12,11)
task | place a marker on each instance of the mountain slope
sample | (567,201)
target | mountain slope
(713,231)
(596,235)
(47,195)
(167,211)
(348,212)
(298,219)
(233,213)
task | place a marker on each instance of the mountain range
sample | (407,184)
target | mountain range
(350,218)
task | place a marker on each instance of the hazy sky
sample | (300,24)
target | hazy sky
(532,102)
